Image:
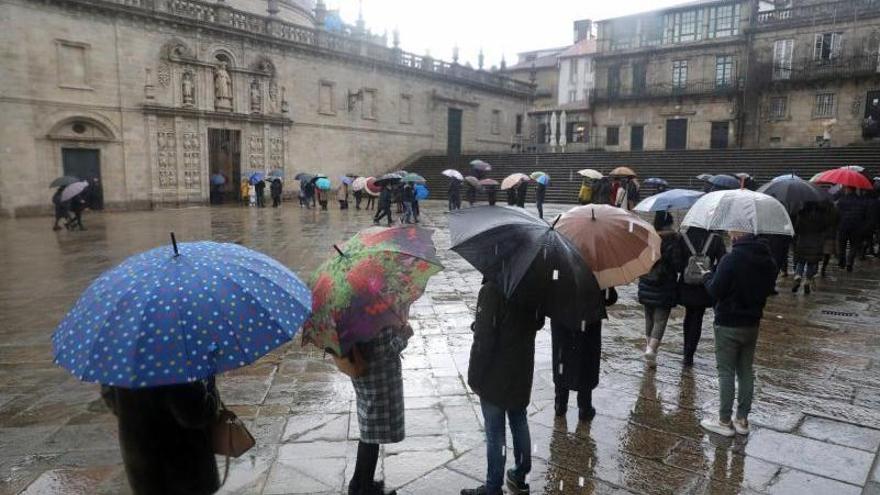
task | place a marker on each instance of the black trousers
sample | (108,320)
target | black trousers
(852,238)
(540,206)
(384,211)
(276,200)
(693,330)
(365,466)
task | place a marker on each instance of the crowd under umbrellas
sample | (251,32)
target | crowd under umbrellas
(157,329)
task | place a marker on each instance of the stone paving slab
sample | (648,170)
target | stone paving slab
(816,421)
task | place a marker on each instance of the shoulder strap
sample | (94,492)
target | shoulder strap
(707,243)
(687,241)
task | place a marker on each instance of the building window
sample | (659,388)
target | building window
(612,136)
(778,107)
(73,64)
(679,73)
(519,124)
(326,103)
(723,21)
(826,47)
(576,132)
(723,71)
(496,122)
(573,70)
(681,26)
(406,109)
(640,76)
(368,105)
(824,105)
(782,58)
(572,96)
(614,80)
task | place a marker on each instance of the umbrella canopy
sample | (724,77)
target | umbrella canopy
(64,181)
(739,210)
(368,285)
(303,176)
(371,187)
(704,177)
(514,180)
(618,245)
(623,172)
(323,183)
(453,174)
(784,177)
(722,181)
(344,179)
(846,177)
(794,193)
(277,174)
(535,175)
(412,177)
(359,184)
(543,180)
(489,183)
(472,181)
(218,179)
(743,175)
(656,181)
(590,174)
(857,168)
(160,318)
(256,177)
(399,173)
(529,260)
(316,177)
(73,190)
(673,199)
(422,192)
(481,165)
(386,179)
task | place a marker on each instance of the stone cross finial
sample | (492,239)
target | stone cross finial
(455,54)
(481,59)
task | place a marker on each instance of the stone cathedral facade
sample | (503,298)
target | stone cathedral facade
(154,99)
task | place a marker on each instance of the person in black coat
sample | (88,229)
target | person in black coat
(853,215)
(521,192)
(358,197)
(491,193)
(694,297)
(779,246)
(260,190)
(658,289)
(275,190)
(454,194)
(500,372)
(540,192)
(470,194)
(78,205)
(384,208)
(511,196)
(61,208)
(809,228)
(576,362)
(165,437)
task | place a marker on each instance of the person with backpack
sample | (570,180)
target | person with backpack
(658,289)
(700,248)
(809,228)
(500,372)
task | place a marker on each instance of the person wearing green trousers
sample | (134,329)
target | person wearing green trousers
(740,285)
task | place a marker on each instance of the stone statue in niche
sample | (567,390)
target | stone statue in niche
(256,97)
(222,88)
(272,100)
(284,107)
(188,89)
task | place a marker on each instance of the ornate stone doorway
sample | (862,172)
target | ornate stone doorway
(224,155)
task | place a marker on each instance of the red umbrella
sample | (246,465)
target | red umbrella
(845,177)
(371,187)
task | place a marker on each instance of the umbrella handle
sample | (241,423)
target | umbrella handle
(338,250)
(556,221)
(174,243)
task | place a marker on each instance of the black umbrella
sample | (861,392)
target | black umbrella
(532,263)
(64,181)
(304,177)
(316,177)
(386,179)
(722,181)
(794,193)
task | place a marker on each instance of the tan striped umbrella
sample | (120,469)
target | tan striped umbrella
(617,245)
(513,180)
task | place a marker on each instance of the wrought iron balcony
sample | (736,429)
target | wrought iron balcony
(822,12)
(805,70)
(661,91)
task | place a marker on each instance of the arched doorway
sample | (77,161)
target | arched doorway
(81,141)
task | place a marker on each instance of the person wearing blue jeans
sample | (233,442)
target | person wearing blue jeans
(500,372)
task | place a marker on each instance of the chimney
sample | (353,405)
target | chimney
(583,30)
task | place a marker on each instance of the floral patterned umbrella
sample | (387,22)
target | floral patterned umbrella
(368,285)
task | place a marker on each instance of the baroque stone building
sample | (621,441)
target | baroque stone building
(156,100)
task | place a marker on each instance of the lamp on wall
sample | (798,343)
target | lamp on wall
(354,97)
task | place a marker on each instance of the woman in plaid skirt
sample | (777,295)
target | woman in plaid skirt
(379,394)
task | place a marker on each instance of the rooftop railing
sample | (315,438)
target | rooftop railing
(819,12)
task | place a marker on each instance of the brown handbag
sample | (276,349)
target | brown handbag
(229,435)
(353,365)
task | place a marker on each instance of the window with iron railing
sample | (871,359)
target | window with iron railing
(778,107)
(639,77)
(826,47)
(824,105)
(723,21)
(723,71)
(783,51)
(681,26)
(679,73)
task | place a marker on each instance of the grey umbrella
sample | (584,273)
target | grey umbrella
(64,181)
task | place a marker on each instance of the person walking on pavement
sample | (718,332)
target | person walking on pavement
(829,237)
(491,195)
(740,285)
(521,192)
(454,194)
(275,190)
(260,190)
(576,362)
(378,390)
(78,205)
(658,289)
(358,197)
(371,202)
(853,215)
(470,194)
(61,208)
(540,192)
(408,196)
(809,228)
(165,437)
(244,189)
(322,198)
(500,372)
(511,196)
(342,196)
(699,247)
(384,208)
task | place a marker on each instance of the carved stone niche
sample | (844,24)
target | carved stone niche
(187,88)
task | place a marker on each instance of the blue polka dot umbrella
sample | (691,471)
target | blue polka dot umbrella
(167,317)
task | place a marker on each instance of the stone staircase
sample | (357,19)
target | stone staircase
(679,168)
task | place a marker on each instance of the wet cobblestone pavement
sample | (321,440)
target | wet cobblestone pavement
(816,418)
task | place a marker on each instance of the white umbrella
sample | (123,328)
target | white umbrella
(73,189)
(359,184)
(739,210)
(590,173)
(553,123)
(453,174)
(562,134)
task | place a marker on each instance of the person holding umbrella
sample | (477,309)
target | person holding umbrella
(809,228)
(342,194)
(853,214)
(408,195)
(541,180)
(275,190)
(244,190)
(700,248)
(658,289)
(260,191)
(454,194)
(521,190)
(384,209)
(61,208)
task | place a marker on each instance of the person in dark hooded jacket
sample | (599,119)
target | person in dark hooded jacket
(853,215)
(500,372)
(521,192)
(740,286)
(454,194)
(693,296)
(809,228)
(275,190)
(165,437)
(658,289)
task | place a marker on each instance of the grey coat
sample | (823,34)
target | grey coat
(380,391)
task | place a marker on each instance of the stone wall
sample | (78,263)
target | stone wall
(142,91)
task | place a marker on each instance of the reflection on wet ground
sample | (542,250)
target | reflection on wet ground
(816,420)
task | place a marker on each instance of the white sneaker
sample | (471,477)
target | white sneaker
(741,426)
(650,356)
(716,426)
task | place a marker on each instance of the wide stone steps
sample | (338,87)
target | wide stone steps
(679,168)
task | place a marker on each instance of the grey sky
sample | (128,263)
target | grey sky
(499,26)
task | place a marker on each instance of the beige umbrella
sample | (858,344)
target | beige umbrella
(513,180)
(617,245)
(623,172)
(590,173)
